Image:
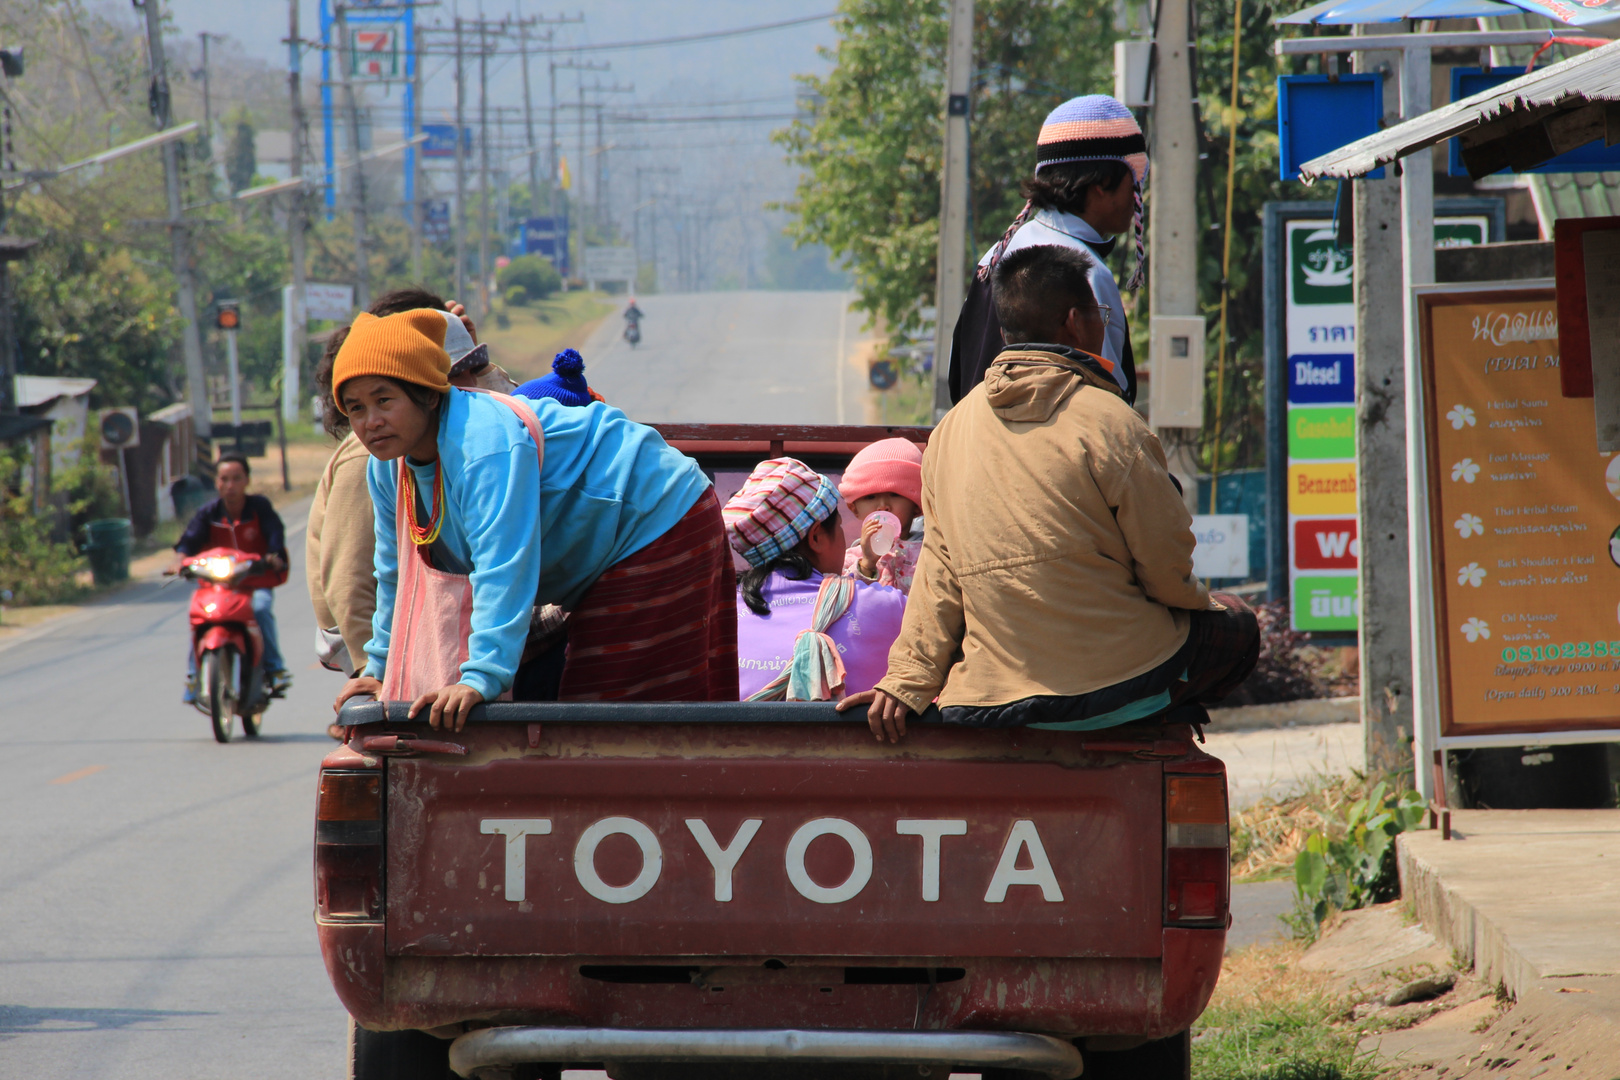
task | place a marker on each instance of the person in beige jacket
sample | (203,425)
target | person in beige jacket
(1055,587)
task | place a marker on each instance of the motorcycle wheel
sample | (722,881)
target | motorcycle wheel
(252,723)
(216,681)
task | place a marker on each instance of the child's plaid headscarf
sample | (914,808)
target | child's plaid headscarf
(776,508)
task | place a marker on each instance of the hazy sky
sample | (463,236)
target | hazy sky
(725,165)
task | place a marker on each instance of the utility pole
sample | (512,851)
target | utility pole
(483,172)
(950,278)
(1383,588)
(556,145)
(635,220)
(1173,209)
(528,120)
(362,262)
(416,159)
(599,185)
(293,332)
(1417,268)
(191,339)
(208,108)
(461,170)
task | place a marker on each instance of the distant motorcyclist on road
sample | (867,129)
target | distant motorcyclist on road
(632,322)
(246,523)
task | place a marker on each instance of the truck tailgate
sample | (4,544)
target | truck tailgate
(643,841)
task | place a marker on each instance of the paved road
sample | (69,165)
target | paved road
(155,886)
(735,357)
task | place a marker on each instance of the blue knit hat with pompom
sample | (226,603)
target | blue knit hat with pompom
(565,385)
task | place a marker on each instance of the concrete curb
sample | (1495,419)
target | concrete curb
(1284,714)
(1456,923)
(1521,895)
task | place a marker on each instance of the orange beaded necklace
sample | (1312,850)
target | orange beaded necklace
(423,535)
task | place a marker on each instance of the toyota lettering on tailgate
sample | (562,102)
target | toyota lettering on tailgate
(748,857)
(1023,840)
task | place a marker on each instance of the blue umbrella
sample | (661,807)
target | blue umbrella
(1346,12)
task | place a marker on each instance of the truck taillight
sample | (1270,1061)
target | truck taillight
(349,845)
(1196,872)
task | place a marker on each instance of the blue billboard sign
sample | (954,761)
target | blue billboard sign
(547,237)
(441,140)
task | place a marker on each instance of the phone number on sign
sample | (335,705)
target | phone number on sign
(1566,651)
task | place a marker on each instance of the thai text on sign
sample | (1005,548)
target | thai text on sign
(1525,524)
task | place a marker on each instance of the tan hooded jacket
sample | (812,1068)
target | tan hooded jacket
(338,548)
(1057,558)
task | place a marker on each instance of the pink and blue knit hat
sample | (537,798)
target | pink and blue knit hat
(779,503)
(1095,127)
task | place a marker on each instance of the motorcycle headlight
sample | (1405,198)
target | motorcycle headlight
(220,569)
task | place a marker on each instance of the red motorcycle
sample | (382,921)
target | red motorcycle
(225,639)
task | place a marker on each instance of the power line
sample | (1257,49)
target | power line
(682,39)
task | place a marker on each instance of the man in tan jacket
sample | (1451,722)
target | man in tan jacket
(1055,586)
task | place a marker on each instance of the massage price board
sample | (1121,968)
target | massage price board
(1524,523)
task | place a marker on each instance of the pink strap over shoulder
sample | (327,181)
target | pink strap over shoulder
(433,609)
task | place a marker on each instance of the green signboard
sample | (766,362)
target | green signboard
(1330,603)
(1322,434)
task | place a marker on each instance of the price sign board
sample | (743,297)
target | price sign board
(1318,392)
(1524,522)
(323,301)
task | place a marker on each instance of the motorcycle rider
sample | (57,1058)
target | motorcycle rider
(247,523)
(632,321)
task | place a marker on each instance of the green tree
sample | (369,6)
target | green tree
(870,146)
(90,309)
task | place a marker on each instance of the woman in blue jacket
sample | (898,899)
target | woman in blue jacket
(487,506)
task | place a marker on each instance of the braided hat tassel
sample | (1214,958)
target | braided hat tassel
(1139,274)
(1006,238)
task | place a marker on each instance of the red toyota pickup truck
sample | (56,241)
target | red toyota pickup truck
(668,891)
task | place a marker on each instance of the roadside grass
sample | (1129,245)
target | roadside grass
(1268,835)
(1268,1020)
(537,331)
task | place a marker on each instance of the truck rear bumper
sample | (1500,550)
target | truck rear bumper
(969,1050)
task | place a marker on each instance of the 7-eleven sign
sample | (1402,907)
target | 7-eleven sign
(374,54)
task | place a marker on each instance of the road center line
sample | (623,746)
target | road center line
(79,774)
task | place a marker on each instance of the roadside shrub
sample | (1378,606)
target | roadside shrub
(517,296)
(35,566)
(1356,866)
(1290,667)
(534,275)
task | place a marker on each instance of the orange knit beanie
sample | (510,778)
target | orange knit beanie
(408,346)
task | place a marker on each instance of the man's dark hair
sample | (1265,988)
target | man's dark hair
(1033,289)
(240,459)
(411,298)
(1066,187)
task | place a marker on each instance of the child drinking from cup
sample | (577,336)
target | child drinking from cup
(883,486)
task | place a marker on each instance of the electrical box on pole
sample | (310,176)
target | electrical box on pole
(1176,388)
(1133,73)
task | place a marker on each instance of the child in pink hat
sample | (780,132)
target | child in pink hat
(884,476)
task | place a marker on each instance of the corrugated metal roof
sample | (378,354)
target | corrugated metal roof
(35,390)
(1553,92)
